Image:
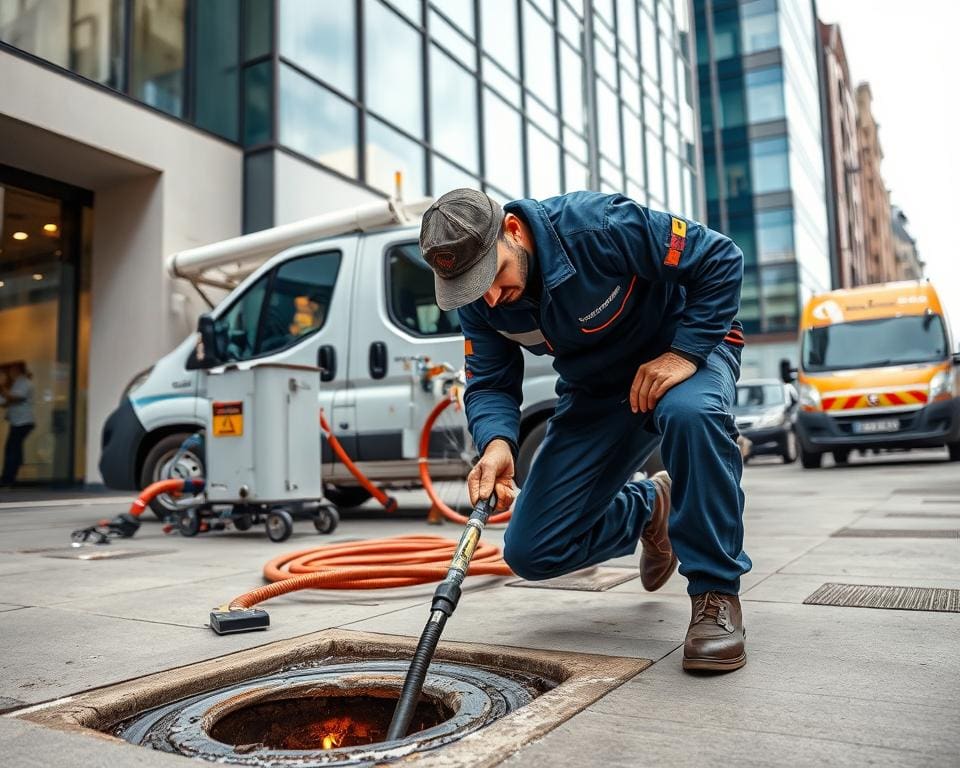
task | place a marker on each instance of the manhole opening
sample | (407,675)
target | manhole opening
(320,722)
(270,706)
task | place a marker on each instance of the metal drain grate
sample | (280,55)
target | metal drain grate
(891,598)
(896,533)
(597,579)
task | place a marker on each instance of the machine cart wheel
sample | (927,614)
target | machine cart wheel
(189,522)
(279,524)
(326,519)
(242,520)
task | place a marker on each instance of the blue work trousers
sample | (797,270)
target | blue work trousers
(579,506)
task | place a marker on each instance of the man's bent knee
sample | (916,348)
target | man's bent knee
(528,560)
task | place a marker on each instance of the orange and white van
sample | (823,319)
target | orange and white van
(877,370)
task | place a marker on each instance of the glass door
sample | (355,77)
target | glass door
(40,248)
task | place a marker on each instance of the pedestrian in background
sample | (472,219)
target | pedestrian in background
(637,309)
(16,393)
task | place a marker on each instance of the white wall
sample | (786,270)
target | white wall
(301,190)
(160,186)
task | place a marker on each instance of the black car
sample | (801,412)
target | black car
(765,412)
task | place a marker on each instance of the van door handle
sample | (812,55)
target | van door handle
(378,360)
(327,360)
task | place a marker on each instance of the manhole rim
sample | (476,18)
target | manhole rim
(187,732)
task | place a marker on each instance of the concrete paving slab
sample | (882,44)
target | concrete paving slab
(27,745)
(628,739)
(610,623)
(6,607)
(737,702)
(795,588)
(889,558)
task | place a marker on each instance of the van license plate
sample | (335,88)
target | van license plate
(884,425)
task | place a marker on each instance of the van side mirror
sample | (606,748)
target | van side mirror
(207,354)
(787,373)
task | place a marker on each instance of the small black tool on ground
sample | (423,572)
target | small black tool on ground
(445,600)
(223,621)
(123,526)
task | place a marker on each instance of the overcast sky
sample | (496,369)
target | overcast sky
(909,52)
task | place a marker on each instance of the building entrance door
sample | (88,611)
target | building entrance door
(44,317)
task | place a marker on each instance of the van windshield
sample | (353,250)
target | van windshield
(875,343)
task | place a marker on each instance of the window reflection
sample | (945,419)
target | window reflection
(543,164)
(447,176)
(765,94)
(775,235)
(321,42)
(158,42)
(453,103)
(769,166)
(393,68)
(317,123)
(503,144)
(538,56)
(215,67)
(498,22)
(389,152)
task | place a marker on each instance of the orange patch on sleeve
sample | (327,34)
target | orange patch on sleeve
(673,258)
(467,347)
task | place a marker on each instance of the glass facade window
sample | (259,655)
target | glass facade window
(774,235)
(543,164)
(257,28)
(764,89)
(778,291)
(759,26)
(454,126)
(460,12)
(156,73)
(571,85)
(769,165)
(633,145)
(503,138)
(539,70)
(389,151)
(453,40)
(655,180)
(317,123)
(258,103)
(447,176)
(216,66)
(320,42)
(608,120)
(392,46)
(500,31)
(85,35)
(569,24)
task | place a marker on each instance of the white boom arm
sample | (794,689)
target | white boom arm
(244,253)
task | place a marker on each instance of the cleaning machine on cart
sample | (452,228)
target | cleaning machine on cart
(262,453)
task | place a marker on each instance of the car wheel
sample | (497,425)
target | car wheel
(529,450)
(810,460)
(790,448)
(346,497)
(157,466)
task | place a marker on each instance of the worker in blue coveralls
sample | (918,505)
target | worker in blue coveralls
(637,308)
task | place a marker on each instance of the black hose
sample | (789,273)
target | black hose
(410,695)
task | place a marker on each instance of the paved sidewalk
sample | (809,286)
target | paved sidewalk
(823,685)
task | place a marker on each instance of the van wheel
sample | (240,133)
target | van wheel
(790,448)
(529,450)
(841,457)
(156,467)
(954,449)
(810,460)
(346,497)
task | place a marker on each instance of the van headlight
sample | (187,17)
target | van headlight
(941,386)
(772,418)
(809,398)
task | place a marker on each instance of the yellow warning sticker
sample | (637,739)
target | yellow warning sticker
(679,227)
(228,419)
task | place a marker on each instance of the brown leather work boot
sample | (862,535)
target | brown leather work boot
(657,561)
(715,638)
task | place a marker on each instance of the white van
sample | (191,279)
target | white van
(354,305)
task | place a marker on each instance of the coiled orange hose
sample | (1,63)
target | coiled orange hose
(400,561)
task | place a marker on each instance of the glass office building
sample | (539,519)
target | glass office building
(130,129)
(764,175)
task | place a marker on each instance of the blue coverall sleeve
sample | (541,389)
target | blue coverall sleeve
(494,369)
(706,263)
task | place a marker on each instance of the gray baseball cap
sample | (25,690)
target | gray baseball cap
(458,238)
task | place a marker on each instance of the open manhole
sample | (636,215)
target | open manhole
(327,699)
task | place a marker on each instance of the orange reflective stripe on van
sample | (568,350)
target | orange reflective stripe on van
(875,399)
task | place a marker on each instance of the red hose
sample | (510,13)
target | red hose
(389,503)
(424,454)
(153,490)
(401,561)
